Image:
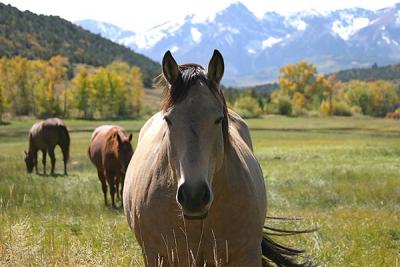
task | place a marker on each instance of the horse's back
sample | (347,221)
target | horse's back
(104,130)
(49,133)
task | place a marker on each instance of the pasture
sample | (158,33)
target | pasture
(340,174)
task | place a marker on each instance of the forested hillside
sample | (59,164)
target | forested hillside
(388,73)
(41,37)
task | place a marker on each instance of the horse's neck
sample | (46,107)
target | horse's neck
(235,154)
(32,147)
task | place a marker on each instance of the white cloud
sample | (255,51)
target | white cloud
(270,42)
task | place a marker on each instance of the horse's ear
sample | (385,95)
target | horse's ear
(26,153)
(216,67)
(130,137)
(170,68)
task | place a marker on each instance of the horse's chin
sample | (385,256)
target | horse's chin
(195,216)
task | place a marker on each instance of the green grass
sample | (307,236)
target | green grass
(340,174)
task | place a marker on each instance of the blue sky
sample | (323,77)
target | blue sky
(141,15)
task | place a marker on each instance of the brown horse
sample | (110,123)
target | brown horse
(45,136)
(110,151)
(194,193)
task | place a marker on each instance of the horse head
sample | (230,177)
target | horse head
(29,161)
(125,150)
(195,113)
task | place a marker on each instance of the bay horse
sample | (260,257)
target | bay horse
(194,192)
(45,136)
(110,150)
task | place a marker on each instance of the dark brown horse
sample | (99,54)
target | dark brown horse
(110,151)
(45,136)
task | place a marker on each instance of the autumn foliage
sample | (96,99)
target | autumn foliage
(56,88)
(306,90)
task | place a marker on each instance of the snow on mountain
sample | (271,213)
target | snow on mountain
(254,48)
(106,30)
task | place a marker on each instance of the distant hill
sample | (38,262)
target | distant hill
(389,73)
(37,36)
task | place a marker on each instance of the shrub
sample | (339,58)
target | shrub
(341,108)
(355,110)
(299,112)
(284,106)
(247,107)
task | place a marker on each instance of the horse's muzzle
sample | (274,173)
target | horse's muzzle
(193,217)
(194,200)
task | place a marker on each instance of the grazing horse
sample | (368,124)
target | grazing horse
(110,150)
(45,136)
(194,193)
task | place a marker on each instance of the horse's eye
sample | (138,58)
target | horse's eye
(219,120)
(167,120)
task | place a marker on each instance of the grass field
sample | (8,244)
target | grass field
(340,174)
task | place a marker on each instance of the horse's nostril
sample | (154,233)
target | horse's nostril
(206,195)
(180,196)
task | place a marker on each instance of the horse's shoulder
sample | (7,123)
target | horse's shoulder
(36,127)
(102,131)
(54,122)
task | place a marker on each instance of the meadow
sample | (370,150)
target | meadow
(341,175)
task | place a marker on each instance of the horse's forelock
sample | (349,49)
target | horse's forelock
(189,75)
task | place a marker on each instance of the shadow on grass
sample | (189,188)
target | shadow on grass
(54,175)
(4,123)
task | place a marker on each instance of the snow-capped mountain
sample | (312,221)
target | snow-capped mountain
(254,48)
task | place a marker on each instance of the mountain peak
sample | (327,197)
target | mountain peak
(254,48)
(237,9)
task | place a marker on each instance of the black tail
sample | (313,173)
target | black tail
(64,140)
(281,255)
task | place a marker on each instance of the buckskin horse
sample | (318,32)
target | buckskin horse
(194,193)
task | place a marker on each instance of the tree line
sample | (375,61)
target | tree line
(301,90)
(57,88)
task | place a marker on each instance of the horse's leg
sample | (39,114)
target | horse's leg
(120,192)
(117,187)
(102,179)
(53,159)
(44,161)
(65,159)
(111,183)
(35,161)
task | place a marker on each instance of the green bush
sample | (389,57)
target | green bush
(299,112)
(247,107)
(341,108)
(284,106)
(356,110)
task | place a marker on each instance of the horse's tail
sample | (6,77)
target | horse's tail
(64,141)
(279,254)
